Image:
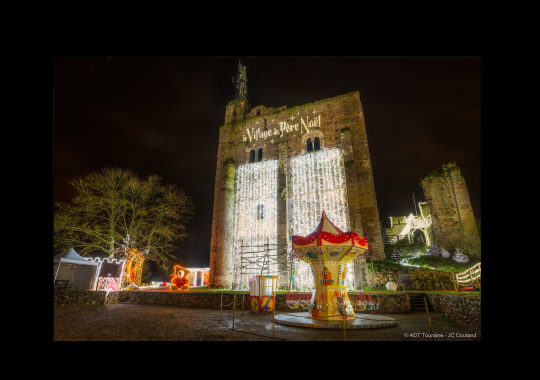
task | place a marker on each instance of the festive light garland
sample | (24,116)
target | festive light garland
(469,276)
(134,267)
(317,184)
(101,284)
(256,193)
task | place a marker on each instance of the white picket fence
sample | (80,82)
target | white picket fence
(470,276)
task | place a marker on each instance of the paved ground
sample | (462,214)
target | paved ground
(144,323)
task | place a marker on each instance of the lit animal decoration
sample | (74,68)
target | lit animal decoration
(179,280)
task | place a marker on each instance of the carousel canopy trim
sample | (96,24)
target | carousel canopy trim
(320,236)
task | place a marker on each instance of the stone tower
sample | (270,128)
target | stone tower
(452,216)
(277,169)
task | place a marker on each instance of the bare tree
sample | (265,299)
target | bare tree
(116,212)
(187,254)
(189,249)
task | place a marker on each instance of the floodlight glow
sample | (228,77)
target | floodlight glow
(255,216)
(317,184)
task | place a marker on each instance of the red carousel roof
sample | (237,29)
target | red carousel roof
(326,233)
(326,226)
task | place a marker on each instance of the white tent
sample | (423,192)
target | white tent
(71,266)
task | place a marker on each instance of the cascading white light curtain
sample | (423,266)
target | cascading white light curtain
(317,184)
(255,218)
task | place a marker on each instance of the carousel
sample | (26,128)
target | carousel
(328,250)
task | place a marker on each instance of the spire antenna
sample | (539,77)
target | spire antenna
(240,84)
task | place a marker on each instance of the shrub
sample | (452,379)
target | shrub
(405,250)
(433,251)
(405,280)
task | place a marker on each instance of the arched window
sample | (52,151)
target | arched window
(252,156)
(260,212)
(260,154)
(309,145)
(317,144)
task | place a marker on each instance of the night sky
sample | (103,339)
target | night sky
(162,116)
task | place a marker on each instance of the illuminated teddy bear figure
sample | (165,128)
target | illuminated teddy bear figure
(179,281)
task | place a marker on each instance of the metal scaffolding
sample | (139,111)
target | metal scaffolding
(262,259)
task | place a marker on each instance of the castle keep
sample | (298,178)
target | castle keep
(446,195)
(277,170)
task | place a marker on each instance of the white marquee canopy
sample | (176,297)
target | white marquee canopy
(71,266)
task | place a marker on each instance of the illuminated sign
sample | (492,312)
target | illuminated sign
(284,127)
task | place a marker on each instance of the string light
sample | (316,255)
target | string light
(469,276)
(133,267)
(255,217)
(317,184)
(99,284)
(179,280)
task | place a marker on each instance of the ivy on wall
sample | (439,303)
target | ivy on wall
(442,171)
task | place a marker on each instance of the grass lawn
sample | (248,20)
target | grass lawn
(440,263)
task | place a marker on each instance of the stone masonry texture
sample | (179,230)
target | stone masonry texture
(446,195)
(459,307)
(389,303)
(342,125)
(426,279)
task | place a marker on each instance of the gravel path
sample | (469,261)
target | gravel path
(129,322)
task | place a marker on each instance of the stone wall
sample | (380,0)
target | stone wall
(113,297)
(83,297)
(460,308)
(124,295)
(426,279)
(88,297)
(391,303)
(201,300)
(221,244)
(448,199)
